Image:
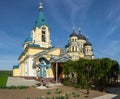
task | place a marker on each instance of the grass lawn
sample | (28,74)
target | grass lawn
(3,81)
(4,76)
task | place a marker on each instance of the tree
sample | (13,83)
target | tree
(91,71)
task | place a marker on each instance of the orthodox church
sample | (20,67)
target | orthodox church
(37,50)
(40,59)
(78,46)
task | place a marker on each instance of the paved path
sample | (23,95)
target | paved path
(108,96)
(114,93)
(14,81)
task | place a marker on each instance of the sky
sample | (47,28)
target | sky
(99,20)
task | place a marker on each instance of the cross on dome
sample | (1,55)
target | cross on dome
(79,29)
(40,6)
(73,28)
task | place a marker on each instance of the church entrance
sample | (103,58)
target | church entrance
(59,72)
(57,66)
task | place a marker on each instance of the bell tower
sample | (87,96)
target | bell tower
(41,32)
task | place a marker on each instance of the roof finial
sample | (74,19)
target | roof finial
(73,28)
(79,29)
(40,6)
(87,38)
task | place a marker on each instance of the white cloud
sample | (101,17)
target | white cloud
(113,18)
(111,50)
(77,12)
(79,8)
(112,30)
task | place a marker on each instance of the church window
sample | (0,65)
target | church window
(73,48)
(76,48)
(43,34)
(72,39)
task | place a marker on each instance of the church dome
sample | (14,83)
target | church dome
(29,39)
(87,44)
(73,34)
(67,45)
(41,18)
(80,36)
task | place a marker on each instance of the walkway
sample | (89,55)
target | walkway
(107,96)
(15,81)
(114,93)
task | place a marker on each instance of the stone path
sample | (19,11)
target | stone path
(114,93)
(108,96)
(15,81)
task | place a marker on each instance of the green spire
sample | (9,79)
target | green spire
(41,19)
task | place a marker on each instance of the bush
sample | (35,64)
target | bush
(22,87)
(14,87)
(48,92)
(58,91)
(68,82)
(11,87)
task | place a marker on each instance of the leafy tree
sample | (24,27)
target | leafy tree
(91,71)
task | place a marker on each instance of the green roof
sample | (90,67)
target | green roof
(41,19)
(15,66)
(29,39)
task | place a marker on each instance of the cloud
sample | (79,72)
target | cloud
(113,9)
(79,9)
(113,18)
(74,12)
(111,50)
(112,30)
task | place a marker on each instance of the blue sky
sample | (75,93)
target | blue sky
(99,20)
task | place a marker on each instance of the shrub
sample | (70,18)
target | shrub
(22,87)
(58,91)
(11,87)
(28,98)
(48,92)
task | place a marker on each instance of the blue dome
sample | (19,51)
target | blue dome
(73,34)
(80,36)
(87,43)
(41,18)
(29,39)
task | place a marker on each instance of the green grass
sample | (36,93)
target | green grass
(4,76)
(7,73)
(3,81)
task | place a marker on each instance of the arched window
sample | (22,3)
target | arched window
(43,34)
(73,48)
(76,48)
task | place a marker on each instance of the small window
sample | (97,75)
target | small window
(43,34)
(76,48)
(73,48)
